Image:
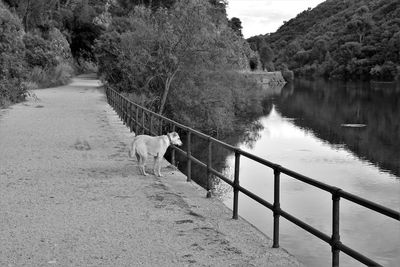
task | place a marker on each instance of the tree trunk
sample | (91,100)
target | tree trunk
(165,94)
(26,16)
(168,82)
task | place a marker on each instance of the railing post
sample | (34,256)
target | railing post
(235,186)
(209,165)
(117,103)
(137,121)
(277,207)
(143,121)
(173,150)
(335,227)
(115,98)
(112,95)
(151,124)
(119,106)
(160,127)
(189,161)
(123,110)
(126,111)
(130,117)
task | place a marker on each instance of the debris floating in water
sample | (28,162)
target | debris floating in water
(353,125)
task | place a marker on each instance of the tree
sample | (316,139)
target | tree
(319,49)
(266,56)
(39,52)
(236,25)
(180,62)
(34,13)
(360,26)
(163,44)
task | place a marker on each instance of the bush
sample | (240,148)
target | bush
(12,66)
(12,91)
(83,65)
(50,60)
(386,72)
(288,75)
(60,46)
(61,74)
(39,52)
(47,77)
(37,75)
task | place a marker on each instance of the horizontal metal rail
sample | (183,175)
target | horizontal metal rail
(135,117)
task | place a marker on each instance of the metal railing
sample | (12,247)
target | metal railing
(136,116)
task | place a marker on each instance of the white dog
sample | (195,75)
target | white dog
(156,146)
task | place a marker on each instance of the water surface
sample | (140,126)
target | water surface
(305,130)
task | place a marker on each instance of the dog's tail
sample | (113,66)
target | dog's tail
(132,148)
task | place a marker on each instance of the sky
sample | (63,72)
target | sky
(266,16)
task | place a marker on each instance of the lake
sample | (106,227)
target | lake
(343,134)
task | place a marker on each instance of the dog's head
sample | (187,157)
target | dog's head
(174,138)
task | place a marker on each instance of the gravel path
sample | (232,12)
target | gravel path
(69,195)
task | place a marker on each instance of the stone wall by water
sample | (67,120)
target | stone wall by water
(267,78)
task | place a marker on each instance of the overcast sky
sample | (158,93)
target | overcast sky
(265,16)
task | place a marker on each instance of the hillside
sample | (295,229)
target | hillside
(341,39)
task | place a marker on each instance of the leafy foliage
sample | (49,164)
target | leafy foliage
(236,25)
(173,58)
(12,51)
(340,39)
(39,51)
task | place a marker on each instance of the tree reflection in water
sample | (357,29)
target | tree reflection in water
(323,107)
(247,133)
(320,107)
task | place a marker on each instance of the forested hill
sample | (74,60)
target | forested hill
(344,39)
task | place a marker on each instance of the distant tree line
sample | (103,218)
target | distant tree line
(357,40)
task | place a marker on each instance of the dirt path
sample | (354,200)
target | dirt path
(69,195)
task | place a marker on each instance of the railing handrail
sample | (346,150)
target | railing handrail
(117,101)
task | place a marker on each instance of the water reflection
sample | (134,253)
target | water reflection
(247,135)
(302,130)
(199,150)
(323,108)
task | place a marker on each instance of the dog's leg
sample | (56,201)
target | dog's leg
(158,160)
(155,165)
(141,163)
(144,166)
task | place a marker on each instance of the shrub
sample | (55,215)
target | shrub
(288,75)
(60,46)
(385,72)
(37,75)
(50,60)
(47,77)
(61,74)
(83,65)
(39,52)
(12,52)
